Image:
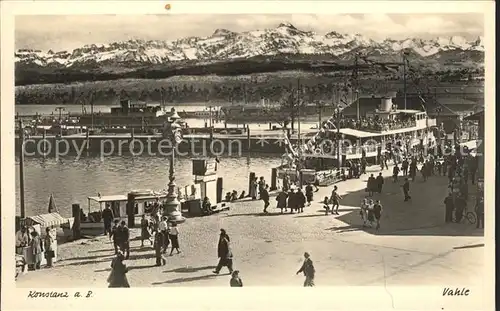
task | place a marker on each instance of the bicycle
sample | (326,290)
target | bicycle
(466,215)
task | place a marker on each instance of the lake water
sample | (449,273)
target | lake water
(73,181)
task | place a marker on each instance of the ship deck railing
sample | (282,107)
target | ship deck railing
(346,150)
(357,133)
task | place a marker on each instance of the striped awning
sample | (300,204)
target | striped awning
(46,220)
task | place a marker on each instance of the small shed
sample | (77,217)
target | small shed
(39,223)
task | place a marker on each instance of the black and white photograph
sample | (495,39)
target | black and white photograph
(177,149)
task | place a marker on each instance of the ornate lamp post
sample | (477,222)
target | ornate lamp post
(171,207)
(440,129)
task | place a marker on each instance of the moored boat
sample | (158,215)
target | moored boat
(141,201)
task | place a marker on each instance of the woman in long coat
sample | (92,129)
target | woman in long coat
(173,235)
(253,189)
(158,246)
(118,276)
(145,234)
(36,249)
(49,252)
(301,200)
(224,253)
(292,200)
(281,199)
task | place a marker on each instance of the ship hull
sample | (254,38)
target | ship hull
(263,114)
(108,120)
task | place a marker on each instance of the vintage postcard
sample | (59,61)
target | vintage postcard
(270,145)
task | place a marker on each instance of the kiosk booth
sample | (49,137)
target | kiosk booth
(39,223)
(206,185)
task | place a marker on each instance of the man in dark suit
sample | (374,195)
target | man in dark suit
(107,218)
(308,270)
(123,239)
(406,189)
(379,182)
(224,253)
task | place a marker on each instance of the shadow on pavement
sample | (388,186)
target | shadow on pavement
(189,279)
(341,209)
(110,255)
(189,269)
(106,258)
(130,268)
(142,267)
(88,262)
(146,248)
(423,215)
(313,215)
(109,250)
(255,214)
(345,228)
(142,256)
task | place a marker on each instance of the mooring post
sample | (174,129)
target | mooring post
(75,209)
(131,210)
(87,140)
(219,190)
(274,177)
(251,178)
(249,144)
(44,146)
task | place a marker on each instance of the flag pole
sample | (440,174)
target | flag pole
(21,168)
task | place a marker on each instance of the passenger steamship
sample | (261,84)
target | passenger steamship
(369,136)
(127,114)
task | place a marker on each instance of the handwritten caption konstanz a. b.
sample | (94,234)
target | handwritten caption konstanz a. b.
(54,294)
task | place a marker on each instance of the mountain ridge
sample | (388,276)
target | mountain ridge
(224,45)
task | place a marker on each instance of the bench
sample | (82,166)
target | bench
(193,208)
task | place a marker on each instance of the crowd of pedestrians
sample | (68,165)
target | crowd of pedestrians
(460,170)
(38,247)
(293,197)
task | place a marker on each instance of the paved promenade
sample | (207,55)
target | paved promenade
(413,246)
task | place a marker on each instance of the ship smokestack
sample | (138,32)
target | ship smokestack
(386,104)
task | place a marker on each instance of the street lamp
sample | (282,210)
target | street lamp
(339,139)
(171,207)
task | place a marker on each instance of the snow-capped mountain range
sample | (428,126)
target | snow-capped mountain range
(224,44)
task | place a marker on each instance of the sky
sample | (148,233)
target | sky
(67,32)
